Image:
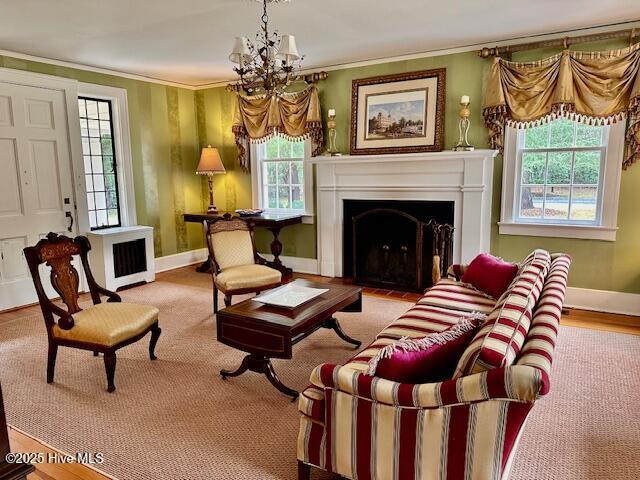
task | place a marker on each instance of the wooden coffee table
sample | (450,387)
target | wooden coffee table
(266,332)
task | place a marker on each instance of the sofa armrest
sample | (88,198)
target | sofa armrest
(519,383)
(456,271)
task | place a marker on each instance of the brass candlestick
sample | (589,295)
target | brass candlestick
(463,127)
(331,125)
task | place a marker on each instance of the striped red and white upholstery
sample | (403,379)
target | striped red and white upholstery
(453,295)
(499,341)
(465,428)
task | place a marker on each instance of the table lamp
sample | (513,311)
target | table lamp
(210,164)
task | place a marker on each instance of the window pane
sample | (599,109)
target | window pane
(96,148)
(559,168)
(112,199)
(283,173)
(272,197)
(106,145)
(298,150)
(531,202)
(110,182)
(285,147)
(588,136)
(92,109)
(98,183)
(85,146)
(272,148)
(96,164)
(91,203)
(112,217)
(557,203)
(533,165)
(537,137)
(94,128)
(103,110)
(297,173)
(584,203)
(92,219)
(270,173)
(108,165)
(283,197)
(87,164)
(297,197)
(587,168)
(82,107)
(101,218)
(562,131)
(101,200)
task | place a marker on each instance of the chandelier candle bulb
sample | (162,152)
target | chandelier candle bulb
(332,112)
(464,100)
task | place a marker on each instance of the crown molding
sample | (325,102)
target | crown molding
(91,68)
(330,67)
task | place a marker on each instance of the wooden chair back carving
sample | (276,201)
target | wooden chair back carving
(227,223)
(57,251)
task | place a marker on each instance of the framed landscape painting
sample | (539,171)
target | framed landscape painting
(400,113)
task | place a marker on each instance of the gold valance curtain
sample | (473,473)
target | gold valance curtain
(293,115)
(593,87)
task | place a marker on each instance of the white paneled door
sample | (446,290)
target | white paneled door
(36,183)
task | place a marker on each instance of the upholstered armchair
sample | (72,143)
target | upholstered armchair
(100,328)
(236,266)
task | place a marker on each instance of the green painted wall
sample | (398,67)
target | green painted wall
(597,264)
(164,149)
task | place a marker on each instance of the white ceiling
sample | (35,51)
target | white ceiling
(188,41)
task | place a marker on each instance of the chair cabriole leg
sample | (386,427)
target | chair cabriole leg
(110,367)
(51,361)
(155,335)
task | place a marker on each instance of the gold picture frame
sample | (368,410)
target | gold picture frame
(399,113)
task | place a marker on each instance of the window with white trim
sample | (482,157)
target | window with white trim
(561,179)
(281,178)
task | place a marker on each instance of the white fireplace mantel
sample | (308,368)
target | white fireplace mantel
(462,177)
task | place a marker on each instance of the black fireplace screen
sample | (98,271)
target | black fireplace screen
(395,244)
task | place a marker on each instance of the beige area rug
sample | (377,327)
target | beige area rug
(176,419)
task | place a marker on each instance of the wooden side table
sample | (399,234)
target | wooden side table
(274,222)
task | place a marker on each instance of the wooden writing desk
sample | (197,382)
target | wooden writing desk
(273,222)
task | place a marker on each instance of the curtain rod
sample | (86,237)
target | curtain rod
(487,52)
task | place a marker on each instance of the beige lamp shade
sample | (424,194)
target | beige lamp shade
(287,50)
(210,162)
(240,52)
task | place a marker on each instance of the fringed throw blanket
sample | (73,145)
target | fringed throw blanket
(593,87)
(291,115)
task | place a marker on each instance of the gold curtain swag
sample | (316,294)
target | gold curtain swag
(592,87)
(291,115)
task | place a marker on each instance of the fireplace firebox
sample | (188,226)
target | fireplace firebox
(397,244)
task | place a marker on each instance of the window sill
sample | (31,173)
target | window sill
(588,232)
(307,218)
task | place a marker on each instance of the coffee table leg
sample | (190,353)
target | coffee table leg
(260,364)
(333,324)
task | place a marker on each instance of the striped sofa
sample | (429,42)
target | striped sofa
(363,427)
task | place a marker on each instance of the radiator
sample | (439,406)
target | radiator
(122,256)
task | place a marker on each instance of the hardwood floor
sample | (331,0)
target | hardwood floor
(53,471)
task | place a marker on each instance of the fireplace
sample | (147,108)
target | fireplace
(392,243)
(463,180)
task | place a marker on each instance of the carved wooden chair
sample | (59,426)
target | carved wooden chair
(102,327)
(236,266)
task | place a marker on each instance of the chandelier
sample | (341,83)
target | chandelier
(266,65)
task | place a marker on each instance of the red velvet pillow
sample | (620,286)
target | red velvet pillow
(489,274)
(425,360)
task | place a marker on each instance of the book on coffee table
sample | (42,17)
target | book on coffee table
(290,295)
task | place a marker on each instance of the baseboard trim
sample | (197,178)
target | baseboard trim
(298,264)
(183,259)
(603,301)
(192,257)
